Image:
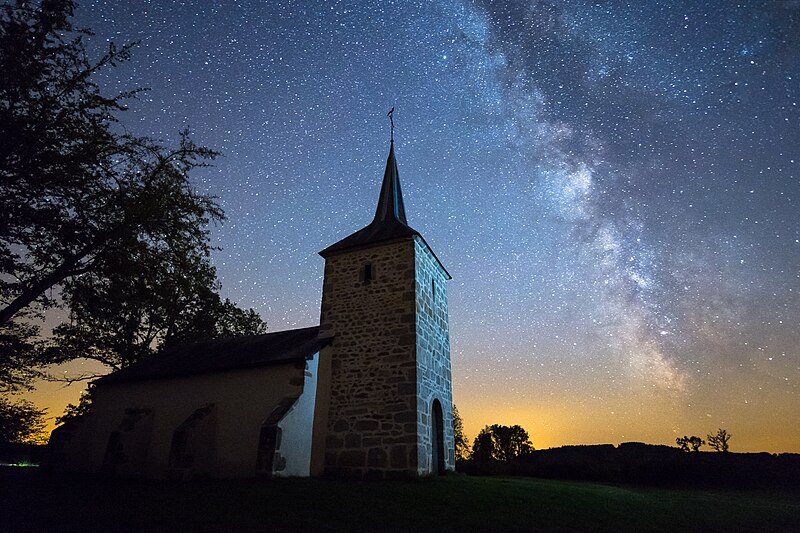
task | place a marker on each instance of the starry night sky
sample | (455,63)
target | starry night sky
(613,187)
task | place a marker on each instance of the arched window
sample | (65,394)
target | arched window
(367,273)
(191,451)
(126,448)
(269,439)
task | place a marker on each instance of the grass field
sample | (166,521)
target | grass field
(34,501)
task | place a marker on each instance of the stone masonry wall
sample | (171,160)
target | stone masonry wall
(372,418)
(433,358)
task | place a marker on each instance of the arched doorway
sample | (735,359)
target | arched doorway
(437,439)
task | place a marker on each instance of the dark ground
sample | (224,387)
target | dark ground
(33,500)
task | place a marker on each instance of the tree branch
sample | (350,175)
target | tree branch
(67,381)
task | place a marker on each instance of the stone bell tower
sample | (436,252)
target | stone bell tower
(384,302)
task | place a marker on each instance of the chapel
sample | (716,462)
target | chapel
(366,394)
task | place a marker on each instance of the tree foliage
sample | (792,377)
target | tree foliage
(59,202)
(692,443)
(501,443)
(19,355)
(462,444)
(72,188)
(21,422)
(214,318)
(483,447)
(74,412)
(120,332)
(108,219)
(141,298)
(719,441)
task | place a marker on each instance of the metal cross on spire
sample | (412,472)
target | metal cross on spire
(391,122)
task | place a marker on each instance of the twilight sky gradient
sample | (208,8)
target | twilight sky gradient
(613,187)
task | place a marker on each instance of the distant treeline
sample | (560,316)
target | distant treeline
(20,453)
(636,462)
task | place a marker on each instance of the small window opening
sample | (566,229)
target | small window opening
(433,288)
(367,273)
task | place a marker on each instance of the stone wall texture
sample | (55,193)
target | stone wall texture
(377,403)
(433,358)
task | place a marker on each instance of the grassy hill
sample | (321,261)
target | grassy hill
(35,501)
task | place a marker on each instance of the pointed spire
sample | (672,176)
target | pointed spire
(390,202)
(390,217)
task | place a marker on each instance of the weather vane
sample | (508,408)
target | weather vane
(391,122)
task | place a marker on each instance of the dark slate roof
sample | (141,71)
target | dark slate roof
(390,218)
(225,354)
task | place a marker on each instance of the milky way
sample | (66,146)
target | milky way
(613,187)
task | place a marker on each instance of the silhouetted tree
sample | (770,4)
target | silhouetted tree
(462,445)
(21,422)
(139,300)
(483,446)
(502,443)
(19,352)
(719,441)
(214,319)
(74,412)
(108,218)
(686,443)
(70,185)
(512,442)
(59,201)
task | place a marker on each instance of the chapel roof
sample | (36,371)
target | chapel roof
(218,355)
